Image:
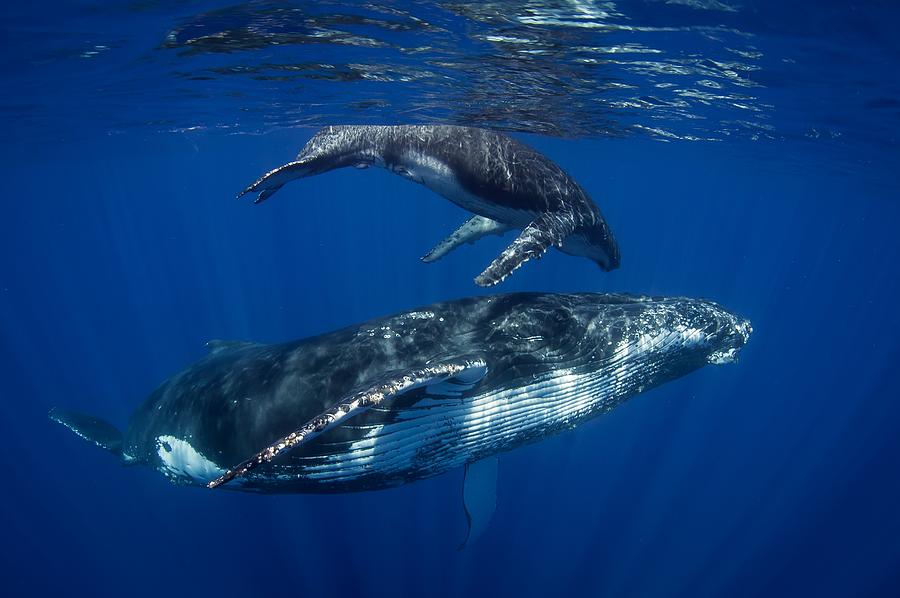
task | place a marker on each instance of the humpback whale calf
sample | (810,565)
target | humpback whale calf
(505,183)
(412,395)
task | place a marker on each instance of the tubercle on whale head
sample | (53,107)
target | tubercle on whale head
(724,332)
(689,332)
(732,339)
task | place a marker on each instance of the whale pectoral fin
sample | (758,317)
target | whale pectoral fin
(470,231)
(549,229)
(479,496)
(93,429)
(274,180)
(445,377)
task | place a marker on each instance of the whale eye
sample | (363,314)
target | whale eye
(166,446)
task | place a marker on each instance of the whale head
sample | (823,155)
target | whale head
(596,243)
(660,338)
(731,337)
(700,332)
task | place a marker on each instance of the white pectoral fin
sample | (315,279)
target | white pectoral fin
(274,180)
(549,229)
(445,377)
(470,231)
(479,496)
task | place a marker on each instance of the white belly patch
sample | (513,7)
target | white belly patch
(439,177)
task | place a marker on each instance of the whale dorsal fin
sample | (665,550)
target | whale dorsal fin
(548,229)
(218,345)
(450,377)
(470,231)
(93,429)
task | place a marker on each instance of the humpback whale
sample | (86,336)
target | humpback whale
(409,396)
(505,183)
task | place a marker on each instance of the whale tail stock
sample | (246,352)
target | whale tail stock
(93,429)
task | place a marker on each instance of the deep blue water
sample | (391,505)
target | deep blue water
(122,251)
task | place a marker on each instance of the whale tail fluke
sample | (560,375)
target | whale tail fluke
(274,180)
(93,429)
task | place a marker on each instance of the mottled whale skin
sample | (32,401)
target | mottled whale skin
(415,394)
(505,183)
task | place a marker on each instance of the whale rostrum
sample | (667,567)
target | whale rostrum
(505,183)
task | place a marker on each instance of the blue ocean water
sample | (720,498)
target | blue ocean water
(745,152)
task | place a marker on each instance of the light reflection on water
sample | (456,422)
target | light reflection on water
(561,68)
(664,69)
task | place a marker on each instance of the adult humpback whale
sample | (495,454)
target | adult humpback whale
(507,184)
(412,395)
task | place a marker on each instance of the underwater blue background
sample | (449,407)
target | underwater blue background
(122,251)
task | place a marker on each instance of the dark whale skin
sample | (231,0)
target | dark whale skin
(242,397)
